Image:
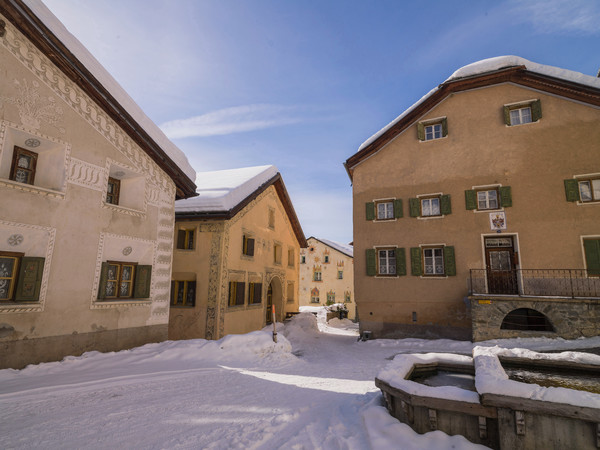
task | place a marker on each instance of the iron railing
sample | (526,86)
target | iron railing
(534,282)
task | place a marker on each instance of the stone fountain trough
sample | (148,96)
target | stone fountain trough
(474,397)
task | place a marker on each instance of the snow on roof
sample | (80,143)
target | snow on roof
(343,248)
(490,65)
(222,190)
(111,85)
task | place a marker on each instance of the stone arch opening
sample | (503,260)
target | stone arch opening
(526,319)
(274,298)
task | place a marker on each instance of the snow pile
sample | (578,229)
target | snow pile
(301,327)
(343,323)
(490,377)
(395,373)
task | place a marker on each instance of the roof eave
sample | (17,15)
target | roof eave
(38,33)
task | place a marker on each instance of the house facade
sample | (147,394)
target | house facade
(87,191)
(327,274)
(236,255)
(490,186)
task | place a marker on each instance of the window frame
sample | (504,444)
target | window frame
(424,265)
(14,278)
(347,297)
(113,198)
(291,257)
(254,292)
(118,280)
(340,274)
(590,181)
(277,253)
(331,297)
(422,128)
(175,289)
(188,235)
(388,258)
(521,118)
(430,199)
(237,294)
(15,165)
(313,297)
(248,245)
(317,275)
(535,112)
(387,210)
(487,199)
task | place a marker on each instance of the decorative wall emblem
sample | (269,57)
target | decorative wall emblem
(15,240)
(127,251)
(31,142)
(33,107)
(498,221)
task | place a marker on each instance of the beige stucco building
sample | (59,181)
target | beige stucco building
(492,176)
(236,255)
(327,274)
(87,191)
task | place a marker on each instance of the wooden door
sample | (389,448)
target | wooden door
(269,315)
(500,265)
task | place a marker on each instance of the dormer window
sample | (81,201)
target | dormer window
(522,112)
(433,129)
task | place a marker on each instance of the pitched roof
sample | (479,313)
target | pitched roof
(46,32)
(501,69)
(224,193)
(346,249)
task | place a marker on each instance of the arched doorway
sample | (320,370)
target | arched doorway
(526,319)
(274,297)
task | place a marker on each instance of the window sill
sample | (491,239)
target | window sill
(433,277)
(99,304)
(32,188)
(423,141)
(387,276)
(235,308)
(182,306)
(593,202)
(255,305)
(430,217)
(488,210)
(124,210)
(11,306)
(395,219)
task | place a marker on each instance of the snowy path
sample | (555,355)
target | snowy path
(239,392)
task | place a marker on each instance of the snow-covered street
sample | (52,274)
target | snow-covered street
(314,389)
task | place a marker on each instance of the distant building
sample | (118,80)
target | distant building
(327,274)
(489,185)
(236,251)
(87,190)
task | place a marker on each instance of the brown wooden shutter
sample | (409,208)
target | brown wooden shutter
(143,278)
(505,196)
(30,279)
(414,207)
(370,210)
(398,212)
(257,292)
(239,299)
(400,261)
(506,115)
(416,267)
(421,131)
(250,248)
(536,111)
(572,190)
(449,261)
(471,199)
(445,204)
(181,239)
(444,127)
(591,248)
(371,262)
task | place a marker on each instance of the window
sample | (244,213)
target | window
(271,218)
(291,257)
(384,209)
(326,259)
(290,291)
(303,259)
(433,261)
(119,280)
(314,296)
(591,249)
(430,130)
(236,293)
(112,191)
(185,239)
(247,245)
(183,293)
(23,166)
(386,261)
(523,112)
(347,297)
(254,293)
(489,198)
(589,190)
(430,206)
(276,253)
(317,275)
(340,275)
(9,270)
(330,297)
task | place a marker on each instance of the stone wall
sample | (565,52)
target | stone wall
(571,318)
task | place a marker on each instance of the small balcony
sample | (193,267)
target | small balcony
(563,283)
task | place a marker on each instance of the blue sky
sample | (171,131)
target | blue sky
(301,84)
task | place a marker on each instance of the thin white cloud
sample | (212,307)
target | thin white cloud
(237,119)
(552,16)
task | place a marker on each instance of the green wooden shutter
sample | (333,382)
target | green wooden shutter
(143,277)
(416,268)
(400,261)
(371,262)
(181,239)
(103,279)
(572,190)
(471,199)
(30,279)
(444,127)
(421,131)
(507,115)
(398,212)
(536,111)
(414,207)
(592,255)
(370,206)
(505,196)
(449,261)
(445,204)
